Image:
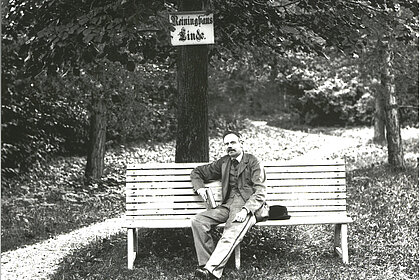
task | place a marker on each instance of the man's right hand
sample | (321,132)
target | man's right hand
(203,193)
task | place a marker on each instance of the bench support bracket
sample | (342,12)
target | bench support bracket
(340,242)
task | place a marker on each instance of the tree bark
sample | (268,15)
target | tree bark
(393,129)
(379,118)
(192,143)
(97,137)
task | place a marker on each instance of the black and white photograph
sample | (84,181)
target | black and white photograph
(210,139)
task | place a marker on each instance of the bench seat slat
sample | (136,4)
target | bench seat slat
(313,171)
(307,162)
(164,165)
(269,183)
(216,191)
(165,185)
(185,220)
(317,162)
(291,209)
(134,180)
(311,175)
(163,205)
(287,203)
(190,216)
(286,196)
(185,223)
(270,173)
(305,169)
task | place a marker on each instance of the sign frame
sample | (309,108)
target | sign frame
(192,28)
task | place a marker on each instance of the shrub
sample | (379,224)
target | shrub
(336,103)
(38,121)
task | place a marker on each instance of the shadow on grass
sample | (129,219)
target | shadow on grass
(383,243)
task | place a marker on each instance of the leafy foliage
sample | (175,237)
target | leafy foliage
(54,54)
(60,34)
(38,121)
(314,90)
(339,96)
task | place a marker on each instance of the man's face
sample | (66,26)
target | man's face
(233,145)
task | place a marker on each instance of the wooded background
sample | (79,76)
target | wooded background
(81,76)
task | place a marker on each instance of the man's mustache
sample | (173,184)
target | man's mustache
(231,150)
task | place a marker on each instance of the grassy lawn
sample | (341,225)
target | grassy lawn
(53,200)
(383,242)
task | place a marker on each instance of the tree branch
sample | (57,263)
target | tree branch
(284,5)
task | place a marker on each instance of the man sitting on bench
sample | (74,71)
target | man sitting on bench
(243,204)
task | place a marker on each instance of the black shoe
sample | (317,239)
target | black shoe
(202,273)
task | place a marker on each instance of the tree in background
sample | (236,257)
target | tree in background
(83,36)
(391,39)
(80,36)
(192,140)
(313,26)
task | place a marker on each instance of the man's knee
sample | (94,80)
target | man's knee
(197,222)
(193,221)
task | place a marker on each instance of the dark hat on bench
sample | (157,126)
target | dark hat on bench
(278,212)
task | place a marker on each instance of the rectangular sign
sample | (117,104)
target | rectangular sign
(192,28)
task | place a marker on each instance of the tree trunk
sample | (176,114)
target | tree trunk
(379,118)
(393,130)
(192,143)
(97,137)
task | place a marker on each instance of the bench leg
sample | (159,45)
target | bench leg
(344,245)
(340,242)
(238,257)
(132,246)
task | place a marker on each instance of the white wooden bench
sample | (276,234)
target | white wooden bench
(160,195)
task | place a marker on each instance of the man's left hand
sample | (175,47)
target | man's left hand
(241,215)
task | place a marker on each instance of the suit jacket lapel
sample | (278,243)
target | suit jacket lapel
(242,165)
(225,178)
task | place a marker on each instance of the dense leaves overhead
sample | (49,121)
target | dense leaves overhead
(76,32)
(79,32)
(308,26)
(97,39)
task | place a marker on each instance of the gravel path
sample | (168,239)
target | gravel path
(330,145)
(40,260)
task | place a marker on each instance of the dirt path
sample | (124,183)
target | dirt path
(40,260)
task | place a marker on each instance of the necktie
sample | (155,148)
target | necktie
(235,162)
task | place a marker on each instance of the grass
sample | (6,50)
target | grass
(383,239)
(383,242)
(53,200)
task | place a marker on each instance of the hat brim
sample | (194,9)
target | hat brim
(285,217)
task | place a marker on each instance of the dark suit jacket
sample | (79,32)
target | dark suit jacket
(251,178)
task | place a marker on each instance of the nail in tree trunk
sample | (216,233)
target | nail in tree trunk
(393,130)
(192,143)
(97,137)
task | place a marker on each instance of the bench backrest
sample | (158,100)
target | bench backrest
(163,191)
